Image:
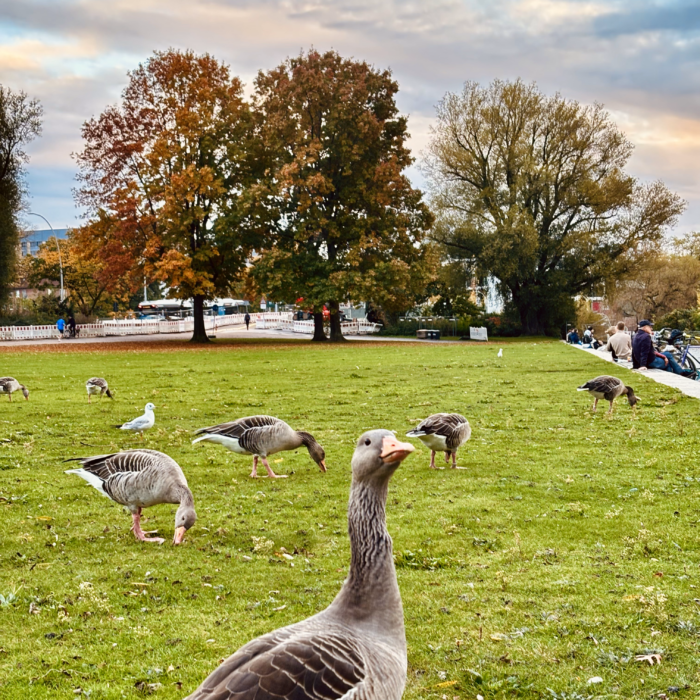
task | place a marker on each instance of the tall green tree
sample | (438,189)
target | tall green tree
(164,176)
(343,220)
(20,123)
(532,189)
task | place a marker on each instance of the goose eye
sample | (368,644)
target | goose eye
(368,442)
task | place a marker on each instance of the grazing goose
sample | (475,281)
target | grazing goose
(261,436)
(8,385)
(500,352)
(608,388)
(355,648)
(443,432)
(138,479)
(97,385)
(144,422)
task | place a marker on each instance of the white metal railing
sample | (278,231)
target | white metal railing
(286,322)
(270,320)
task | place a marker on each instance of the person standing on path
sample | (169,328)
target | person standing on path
(61,326)
(247,320)
(71,326)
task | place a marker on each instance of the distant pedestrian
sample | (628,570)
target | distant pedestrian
(61,326)
(247,320)
(588,336)
(71,326)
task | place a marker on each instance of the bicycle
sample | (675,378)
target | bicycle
(682,344)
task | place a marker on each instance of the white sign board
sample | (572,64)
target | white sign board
(263,305)
(478,333)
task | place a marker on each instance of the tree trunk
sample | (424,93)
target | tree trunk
(319,334)
(530,320)
(200,332)
(336,330)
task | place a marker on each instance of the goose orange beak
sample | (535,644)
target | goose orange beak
(395,451)
(179,534)
(322,465)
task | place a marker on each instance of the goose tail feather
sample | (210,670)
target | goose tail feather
(91,478)
(415,433)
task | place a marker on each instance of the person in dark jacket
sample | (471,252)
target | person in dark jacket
(246,318)
(644,356)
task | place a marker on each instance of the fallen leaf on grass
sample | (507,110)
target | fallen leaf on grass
(651,658)
(446,684)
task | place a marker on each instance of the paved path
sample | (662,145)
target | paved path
(685,386)
(233,332)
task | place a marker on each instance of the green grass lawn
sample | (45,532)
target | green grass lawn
(566,547)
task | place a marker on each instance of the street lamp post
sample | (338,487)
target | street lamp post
(58,248)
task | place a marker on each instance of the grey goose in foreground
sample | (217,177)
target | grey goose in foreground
(354,649)
(97,385)
(8,385)
(608,388)
(144,422)
(261,436)
(443,432)
(138,479)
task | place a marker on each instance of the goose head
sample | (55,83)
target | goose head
(632,398)
(185,518)
(25,391)
(316,452)
(378,455)
(149,406)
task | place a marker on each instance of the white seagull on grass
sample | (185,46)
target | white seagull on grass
(144,422)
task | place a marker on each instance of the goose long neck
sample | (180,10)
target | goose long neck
(185,496)
(371,591)
(305,439)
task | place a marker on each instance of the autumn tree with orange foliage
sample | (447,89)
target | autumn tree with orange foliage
(343,220)
(83,276)
(164,175)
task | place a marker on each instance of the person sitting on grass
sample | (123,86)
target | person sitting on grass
(645,357)
(620,344)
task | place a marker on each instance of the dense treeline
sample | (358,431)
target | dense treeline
(300,193)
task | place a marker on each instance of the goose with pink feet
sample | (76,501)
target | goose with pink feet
(138,479)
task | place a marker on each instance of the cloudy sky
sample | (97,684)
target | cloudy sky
(640,59)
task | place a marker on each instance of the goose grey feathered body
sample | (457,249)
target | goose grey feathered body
(138,479)
(261,436)
(356,648)
(97,385)
(8,385)
(608,388)
(443,432)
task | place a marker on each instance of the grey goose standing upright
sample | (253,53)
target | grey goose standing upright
(8,385)
(97,385)
(356,647)
(443,432)
(261,436)
(138,479)
(608,388)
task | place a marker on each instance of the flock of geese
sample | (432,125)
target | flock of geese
(355,649)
